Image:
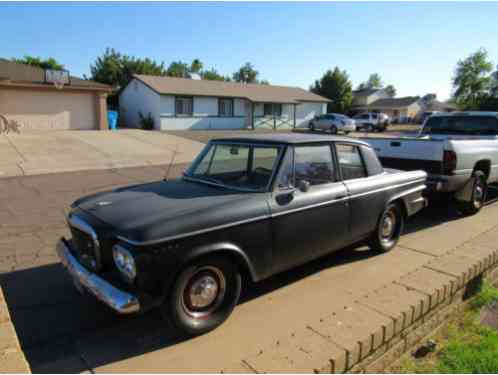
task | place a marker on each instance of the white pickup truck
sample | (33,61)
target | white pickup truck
(459,151)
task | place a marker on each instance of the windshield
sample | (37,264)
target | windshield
(235,165)
(466,125)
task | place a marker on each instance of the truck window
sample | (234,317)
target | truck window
(467,125)
(350,162)
(371,161)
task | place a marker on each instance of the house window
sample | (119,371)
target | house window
(225,107)
(184,106)
(273,109)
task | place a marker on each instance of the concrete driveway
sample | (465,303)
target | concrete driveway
(61,331)
(38,152)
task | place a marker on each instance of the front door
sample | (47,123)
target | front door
(307,224)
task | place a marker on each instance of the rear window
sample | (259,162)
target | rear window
(466,125)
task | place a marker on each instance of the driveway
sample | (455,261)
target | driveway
(38,152)
(61,331)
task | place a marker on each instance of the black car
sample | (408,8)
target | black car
(251,206)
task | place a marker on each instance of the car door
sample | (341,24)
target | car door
(322,122)
(367,190)
(306,224)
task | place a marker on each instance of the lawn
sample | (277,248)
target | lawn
(464,345)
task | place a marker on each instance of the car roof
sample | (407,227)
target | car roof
(289,138)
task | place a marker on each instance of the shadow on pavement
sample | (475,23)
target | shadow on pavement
(62,331)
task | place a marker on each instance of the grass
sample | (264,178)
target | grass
(463,345)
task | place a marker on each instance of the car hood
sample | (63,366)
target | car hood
(165,210)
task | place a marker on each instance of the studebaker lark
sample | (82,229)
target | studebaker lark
(247,207)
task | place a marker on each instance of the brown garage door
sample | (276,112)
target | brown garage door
(49,109)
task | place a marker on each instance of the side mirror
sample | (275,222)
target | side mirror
(303,186)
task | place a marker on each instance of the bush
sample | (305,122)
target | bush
(146,123)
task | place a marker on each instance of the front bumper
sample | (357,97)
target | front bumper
(120,301)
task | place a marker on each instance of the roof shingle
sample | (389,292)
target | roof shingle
(253,92)
(394,102)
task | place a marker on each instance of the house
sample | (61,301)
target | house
(437,106)
(36,98)
(181,103)
(377,100)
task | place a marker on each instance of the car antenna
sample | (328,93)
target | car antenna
(166,175)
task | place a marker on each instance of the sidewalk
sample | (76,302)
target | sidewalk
(40,152)
(12,358)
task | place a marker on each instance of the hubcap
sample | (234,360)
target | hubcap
(388,226)
(478,194)
(204,292)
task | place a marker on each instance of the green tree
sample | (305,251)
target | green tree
(390,90)
(374,82)
(117,70)
(246,73)
(336,86)
(49,63)
(178,69)
(196,66)
(213,75)
(471,81)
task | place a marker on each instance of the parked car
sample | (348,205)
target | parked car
(252,206)
(458,150)
(372,121)
(333,122)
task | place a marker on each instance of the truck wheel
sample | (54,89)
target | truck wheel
(203,295)
(389,229)
(478,195)
(333,129)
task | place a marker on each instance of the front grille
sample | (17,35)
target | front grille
(85,248)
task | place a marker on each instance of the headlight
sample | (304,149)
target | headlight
(124,262)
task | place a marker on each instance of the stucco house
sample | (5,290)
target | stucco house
(377,100)
(181,103)
(29,98)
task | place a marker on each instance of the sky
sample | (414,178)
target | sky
(414,46)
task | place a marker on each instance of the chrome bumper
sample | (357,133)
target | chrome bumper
(120,301)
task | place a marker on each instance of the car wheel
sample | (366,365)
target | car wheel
(478,196)
(389,229)
(369,128)
(203,295)
(333,129)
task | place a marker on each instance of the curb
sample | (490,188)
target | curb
(12,359)
(372,332)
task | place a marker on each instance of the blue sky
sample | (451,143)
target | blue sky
(414,46)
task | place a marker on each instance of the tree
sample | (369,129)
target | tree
(472,81)
(49,63)
(213,75)
(429,98)
(246,74)
(336,86)
(390,90)
(117,70)
(374,82)
(178,69)
(196,66)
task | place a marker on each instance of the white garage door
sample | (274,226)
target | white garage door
(49,109)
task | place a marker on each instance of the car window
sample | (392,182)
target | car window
(285,178)
(236,165)
(374,115)
(313,164)
(350,162)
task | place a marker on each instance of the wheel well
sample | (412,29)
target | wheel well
(235,257)
(402,205)
(483,166)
